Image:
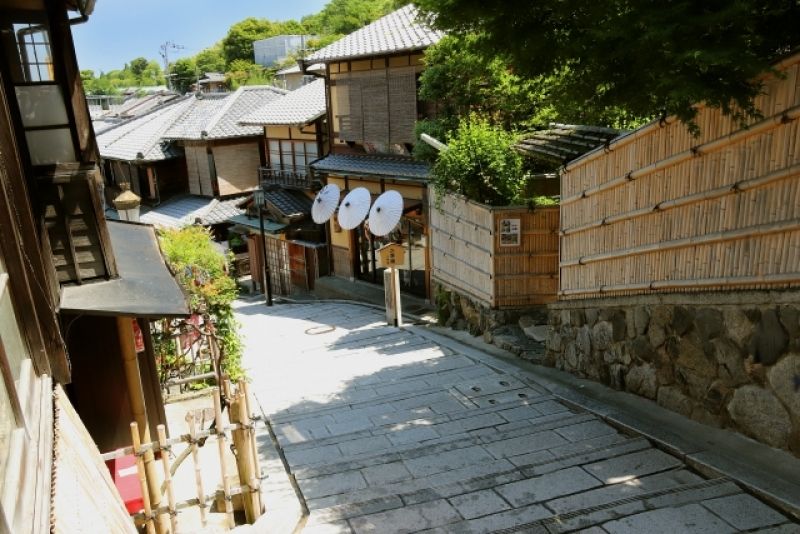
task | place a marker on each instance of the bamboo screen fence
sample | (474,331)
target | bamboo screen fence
(660,210)
(504,257)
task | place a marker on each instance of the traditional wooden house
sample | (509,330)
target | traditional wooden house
(291,78)
(294,136)
(63,289)
(222,155)
(134,153)
(371,78)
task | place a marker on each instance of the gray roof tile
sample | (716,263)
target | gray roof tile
(398,31)
(185,210)
(373,166)
(216,115)
(299,107)
(142,135)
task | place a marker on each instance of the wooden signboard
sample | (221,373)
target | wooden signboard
(392,254)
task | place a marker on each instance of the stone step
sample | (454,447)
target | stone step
(454,482)
(465,425)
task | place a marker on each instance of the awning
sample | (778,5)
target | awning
(252,224)
(145,287)
(371,165)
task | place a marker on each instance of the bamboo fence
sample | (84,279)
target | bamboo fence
(659,210)
(503,257)
(242,432)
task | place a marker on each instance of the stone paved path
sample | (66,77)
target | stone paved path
(387,431)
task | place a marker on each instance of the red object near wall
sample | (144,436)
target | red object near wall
(126,479)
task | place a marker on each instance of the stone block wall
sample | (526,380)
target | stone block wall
(728,360)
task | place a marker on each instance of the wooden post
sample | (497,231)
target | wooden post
(254,446)
(198,477)
(136,395)
(148,510)
(162,443)
(244,464)
(226,485)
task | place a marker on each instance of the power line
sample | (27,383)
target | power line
(165,48)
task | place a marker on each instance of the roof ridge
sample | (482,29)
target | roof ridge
(221,112)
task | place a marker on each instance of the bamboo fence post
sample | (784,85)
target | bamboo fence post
(251,500)
(162,443)
(148,512)
(253,444)
(226,485)
(198,477)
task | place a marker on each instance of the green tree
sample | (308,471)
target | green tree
(463,80)
(644,57)
(137,67)
(480,163)
(238,43)
(244,72)
(210,59)
(340,17)
(183,73)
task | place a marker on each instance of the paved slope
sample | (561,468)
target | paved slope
(385,431)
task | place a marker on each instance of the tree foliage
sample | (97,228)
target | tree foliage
(464,80)
(203,273)
(183,73)
(340,17)
(210,59)
(139,72)
(480,163)
(646,58)
(238,43)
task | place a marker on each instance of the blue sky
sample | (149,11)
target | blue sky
(120,30)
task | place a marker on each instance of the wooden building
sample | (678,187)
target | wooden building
(295,135)
(58,257)
(222,156)
(373,107)
(192,145)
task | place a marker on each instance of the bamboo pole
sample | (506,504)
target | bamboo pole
(716,237)
(148,511)
(766,279)
(253,444)
(137,403)
(695,151)
(244,464)
(198,477)
(164,448)
(226,485)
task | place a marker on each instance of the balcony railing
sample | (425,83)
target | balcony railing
(291,179)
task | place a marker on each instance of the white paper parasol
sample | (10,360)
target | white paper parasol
(354,208)
(325,203)
(385,213)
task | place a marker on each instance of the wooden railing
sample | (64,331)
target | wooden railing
(286,178)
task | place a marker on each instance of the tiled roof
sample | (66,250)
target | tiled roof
(210,77)
(183,211)
(295,69)
(216,115)
(286,203)
(398,31)
(373,166)
(299,107)
(142,136)
(564,142)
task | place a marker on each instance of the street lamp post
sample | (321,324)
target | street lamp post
(265,271)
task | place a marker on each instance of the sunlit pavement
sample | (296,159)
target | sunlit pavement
(387,431)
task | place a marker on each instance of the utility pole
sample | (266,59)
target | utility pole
(165,48)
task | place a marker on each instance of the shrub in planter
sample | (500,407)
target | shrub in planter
(480,163)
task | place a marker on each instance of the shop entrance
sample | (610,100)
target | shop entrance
(410,232)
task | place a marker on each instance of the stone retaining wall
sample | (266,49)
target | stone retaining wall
(729,360)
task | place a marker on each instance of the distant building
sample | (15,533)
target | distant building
(273,50)
(291,78)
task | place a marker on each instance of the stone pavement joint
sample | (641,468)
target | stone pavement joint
(405,430)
